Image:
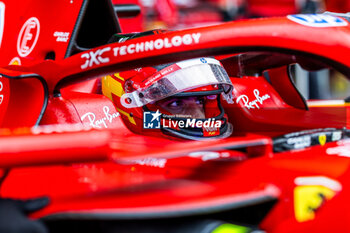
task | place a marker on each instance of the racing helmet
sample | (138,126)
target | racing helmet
(138,94)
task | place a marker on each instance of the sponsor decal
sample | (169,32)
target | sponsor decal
(336,136)
(172,68)
(343,151)
(211,131)
(342,148)
(299,142)
(97,57)
(209,155)
(28,37)
(319,180)
(15,61)
(61,36)
(322,138)
(60,128)
(256,103)
(318,20)
(203,60)
(102,122)
(311,193)
(158,76)
(306,138)
(151,162)
(158,44)
(310,131)
(2,20)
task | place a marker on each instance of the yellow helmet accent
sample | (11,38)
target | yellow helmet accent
(130,118)
(111,86)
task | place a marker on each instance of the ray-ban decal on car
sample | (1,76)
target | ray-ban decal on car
(259,100)
(103,122)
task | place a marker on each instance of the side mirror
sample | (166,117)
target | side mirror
(23,99)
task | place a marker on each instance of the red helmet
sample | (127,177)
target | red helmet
(145,98)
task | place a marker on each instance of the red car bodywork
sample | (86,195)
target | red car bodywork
(271,8)
(111,173)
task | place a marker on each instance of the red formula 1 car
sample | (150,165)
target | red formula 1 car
(283,169)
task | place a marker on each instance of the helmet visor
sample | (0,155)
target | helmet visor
(187,76)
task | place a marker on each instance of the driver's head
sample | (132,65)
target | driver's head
(189,91)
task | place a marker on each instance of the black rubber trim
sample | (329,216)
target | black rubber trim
(72,42)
